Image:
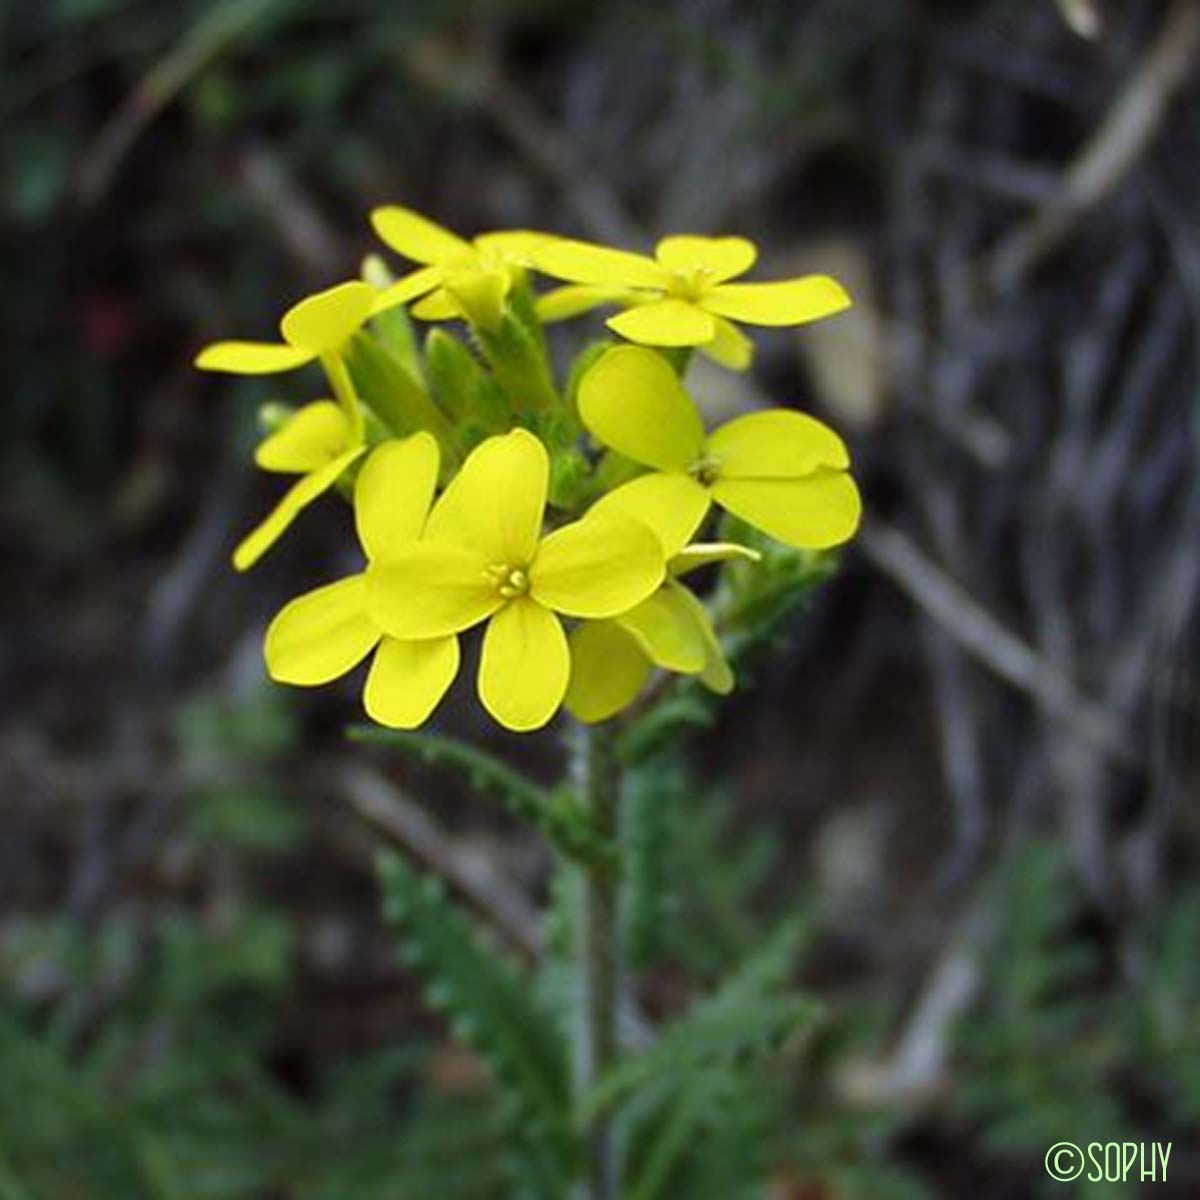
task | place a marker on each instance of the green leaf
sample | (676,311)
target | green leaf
(744,1019)
(558,813)
(490,1006)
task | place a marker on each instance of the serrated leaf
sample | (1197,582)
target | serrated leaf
(558,813)
(483,993)
(742,1020)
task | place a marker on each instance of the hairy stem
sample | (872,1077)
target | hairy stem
(598,776)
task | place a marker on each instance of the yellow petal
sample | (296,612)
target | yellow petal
(393,493)
(417,237)
(439,305)
(719,258)
(608,670)
(317,434)
(665,627)
(327,320)
(703,554)
(407,680)
(817,511)
(775,444)
(514,246)
(791,302)
(429,589)
(301,494)
(717,674)
(665,323)
(597,567)
(407,288)
(730,348)
(479,295)
(251,358)
(584,262)
(494,504)
(525,665)
(560,304)
(673,505)
(321,635)
(633,402)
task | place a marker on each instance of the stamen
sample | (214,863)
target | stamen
(691,285)
(705,470)
(510,582)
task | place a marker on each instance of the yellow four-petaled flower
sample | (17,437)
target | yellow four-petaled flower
(683,295)
(484,558)
(323,634)
(779,470)
(323,438)
(457,277)
(480,554)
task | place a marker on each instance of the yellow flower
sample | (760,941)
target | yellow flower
(780,471)
(317,328)
(682,296)
(458,277)
(325,633)
(318,444)
(484,558)
(321,440)
(612,660)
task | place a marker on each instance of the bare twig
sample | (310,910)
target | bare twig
(406,824)
(160,85)
(308,235)
(916,1071)
(1083,17)
(984,637)
(1113,150)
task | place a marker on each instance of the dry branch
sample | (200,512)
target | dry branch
(1121,140)
(990,642)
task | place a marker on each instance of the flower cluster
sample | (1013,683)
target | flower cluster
(565,521)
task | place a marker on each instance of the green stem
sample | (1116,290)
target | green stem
(598,776)
(343,388)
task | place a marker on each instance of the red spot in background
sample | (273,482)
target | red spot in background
(109,324)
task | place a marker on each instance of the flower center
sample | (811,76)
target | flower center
(691,284)
(705,470)
(509,582)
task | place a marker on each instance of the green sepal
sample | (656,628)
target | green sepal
(523,304)
(463,390)
(570,476)
(520,364)
(396,396)
(393,329)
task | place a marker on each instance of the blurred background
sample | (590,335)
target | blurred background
(972,769)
